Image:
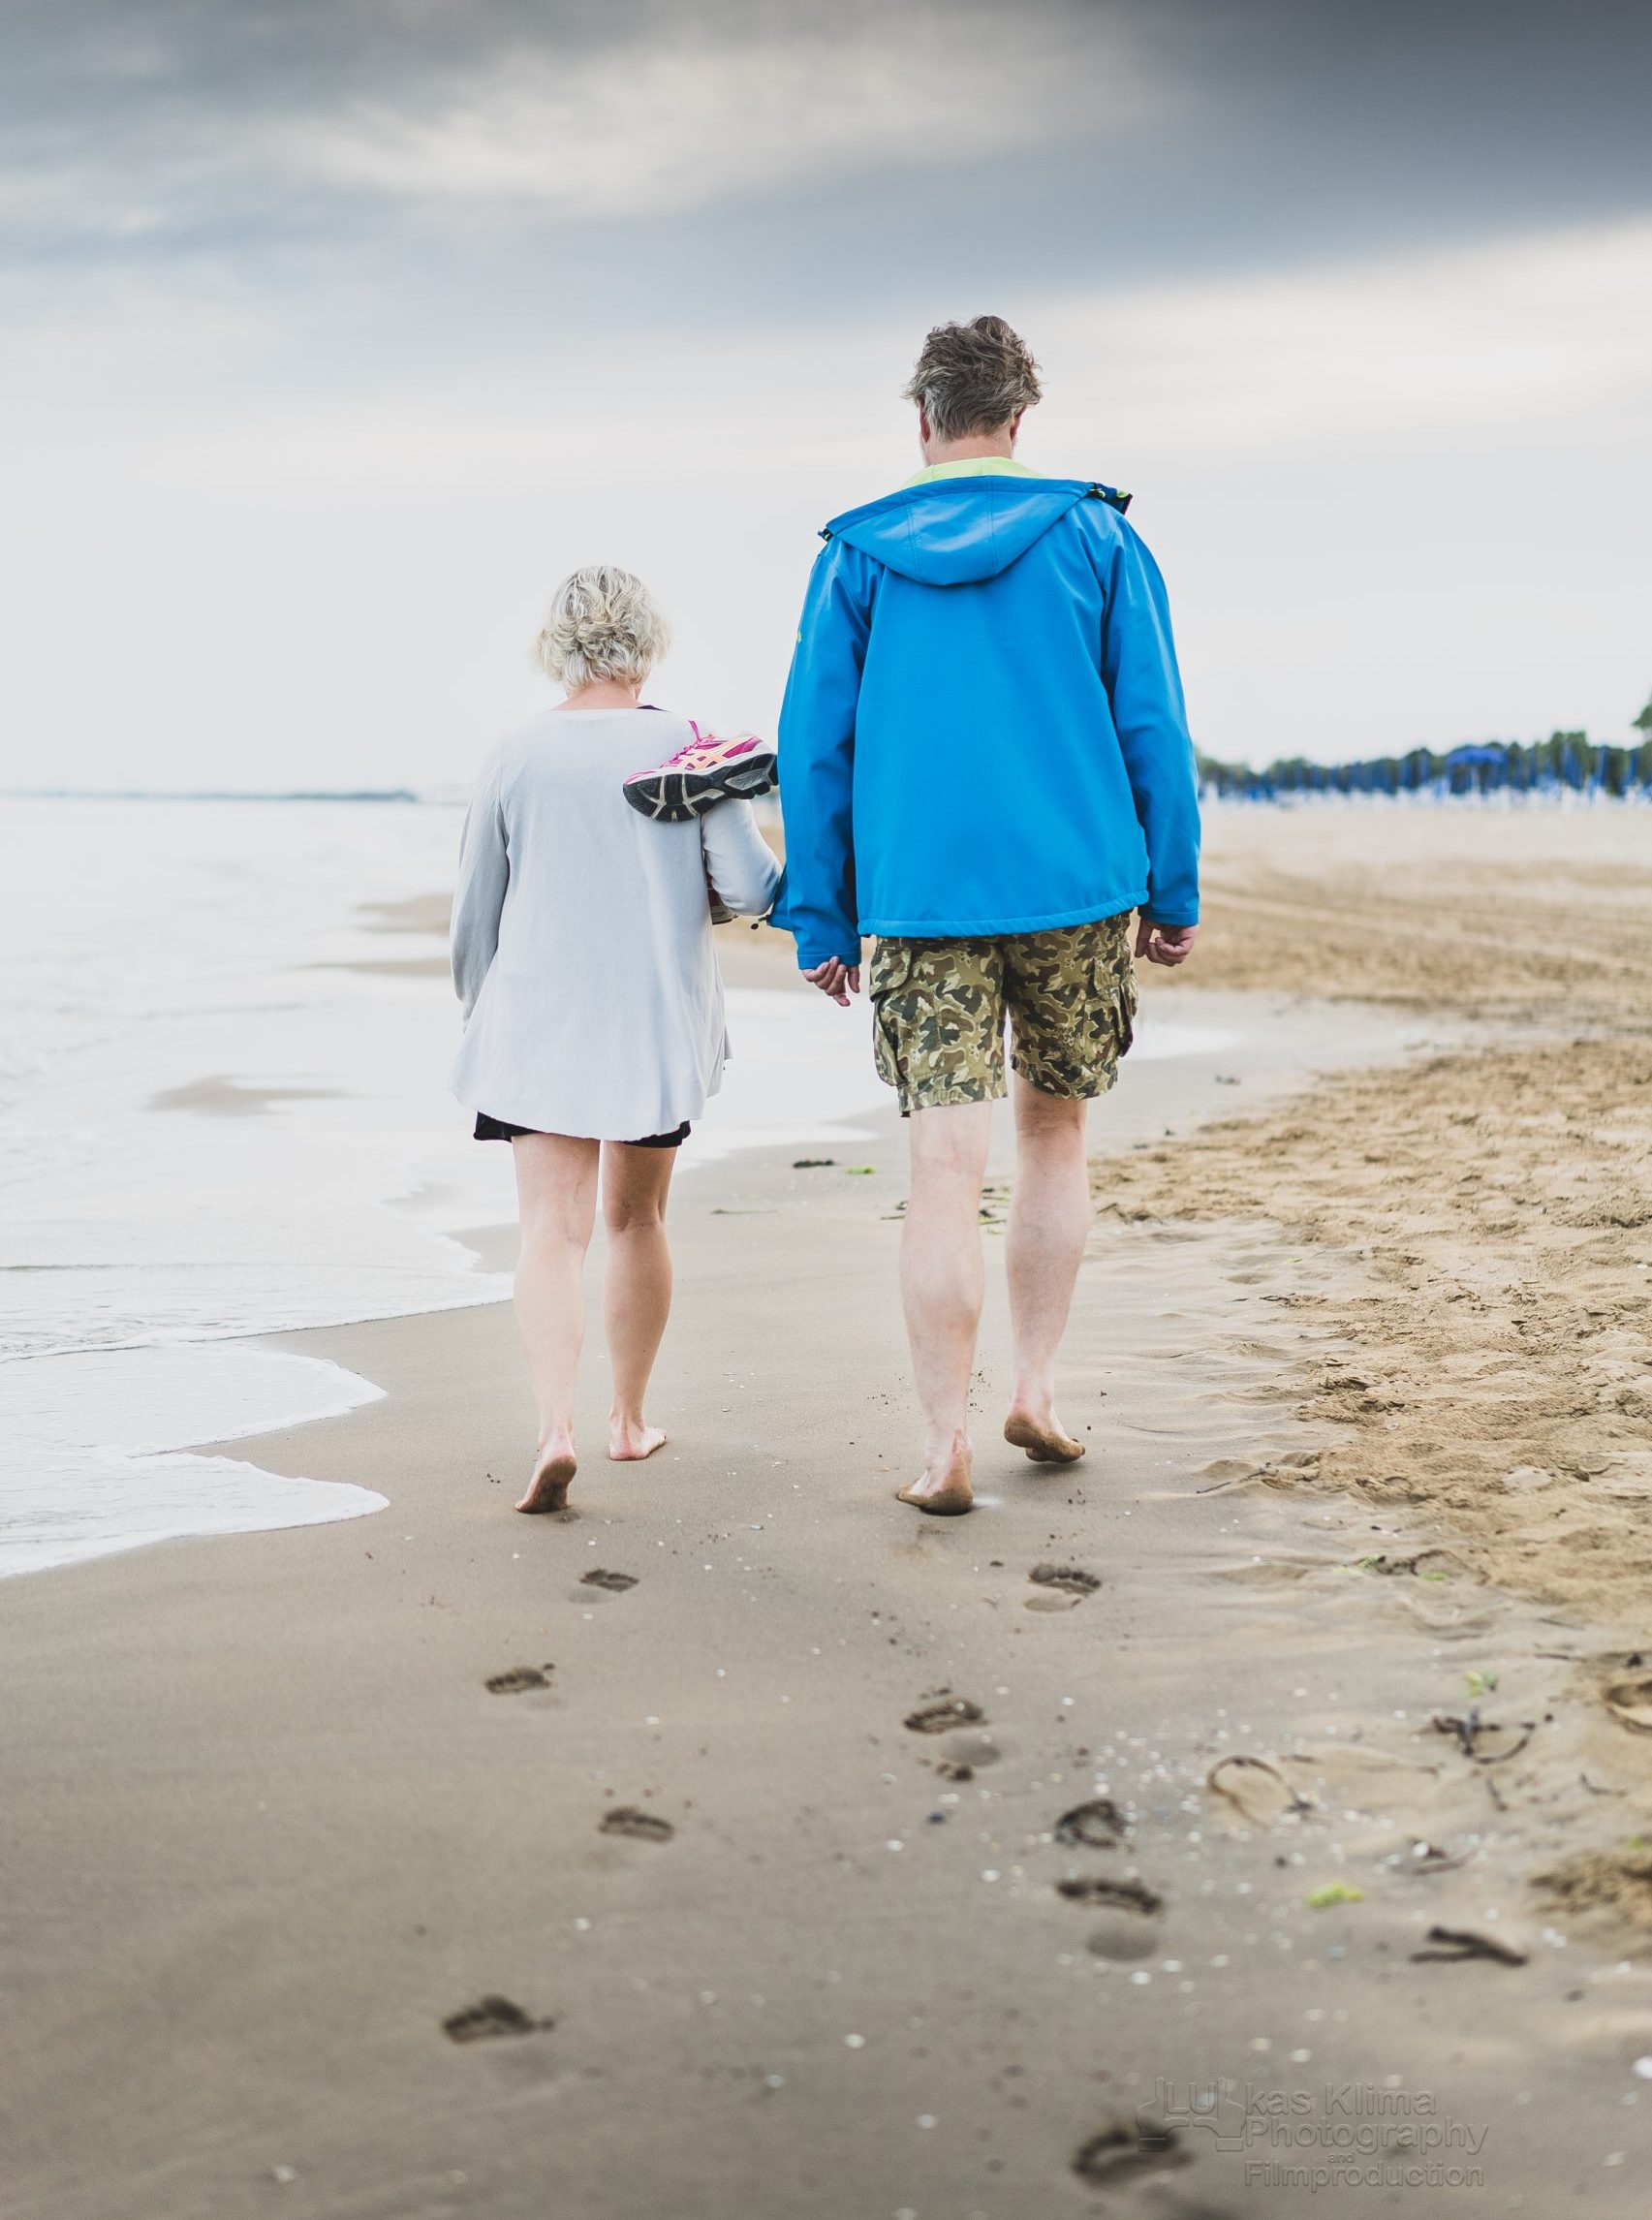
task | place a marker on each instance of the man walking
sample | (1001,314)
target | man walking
(984,761)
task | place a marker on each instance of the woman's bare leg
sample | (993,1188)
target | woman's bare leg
(556,1191)
(637,1287)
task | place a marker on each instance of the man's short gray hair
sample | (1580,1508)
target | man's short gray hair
(602,623)
(973,377)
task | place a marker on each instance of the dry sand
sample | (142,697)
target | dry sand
(454,1863)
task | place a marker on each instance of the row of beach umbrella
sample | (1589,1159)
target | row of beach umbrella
(1565,764)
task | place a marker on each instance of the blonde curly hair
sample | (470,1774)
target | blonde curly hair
(602,623)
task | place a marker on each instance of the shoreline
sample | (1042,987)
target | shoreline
(179,1412)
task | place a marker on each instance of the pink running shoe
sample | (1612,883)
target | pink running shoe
(708,771)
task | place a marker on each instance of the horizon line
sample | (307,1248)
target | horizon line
(405,794)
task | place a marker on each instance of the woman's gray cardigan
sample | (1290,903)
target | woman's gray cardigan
(581,939)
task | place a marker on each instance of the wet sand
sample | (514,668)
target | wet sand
(1490,1352)
(406,1868)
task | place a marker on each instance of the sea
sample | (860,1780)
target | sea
(225,1032)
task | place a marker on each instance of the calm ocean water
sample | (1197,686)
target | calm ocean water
(155,946)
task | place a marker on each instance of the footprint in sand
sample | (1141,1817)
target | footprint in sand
(1125,2149)
(942,1711)
(1098,1824)
(518,1677)
(1061,1587)
(1123,1937)
(1226,1472)
(615,1583)
(492,2016)
(1625,1691)
(635,1826)
(1258,1790)
(1615,1884)
(1273,1572)
(1116,1896)
(1436,1566)
(963,1755)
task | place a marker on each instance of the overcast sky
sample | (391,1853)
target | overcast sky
(337,330)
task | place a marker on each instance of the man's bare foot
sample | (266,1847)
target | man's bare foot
(547,1491)
(630,1441)
(943,1487)
(1045,1439)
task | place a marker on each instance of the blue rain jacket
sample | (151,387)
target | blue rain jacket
(984,729)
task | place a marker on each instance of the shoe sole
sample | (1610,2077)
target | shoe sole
(671,796)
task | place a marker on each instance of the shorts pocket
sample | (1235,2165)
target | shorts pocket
(889,988)
(1113,1006)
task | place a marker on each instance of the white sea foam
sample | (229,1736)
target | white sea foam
(86,1474)
(215,1125)
(155,946)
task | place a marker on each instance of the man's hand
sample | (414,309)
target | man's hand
(833,977)
(1164,944)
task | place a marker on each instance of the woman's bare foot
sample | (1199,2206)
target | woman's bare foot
(630,1440)
(1045,1439)
(547,1491)
(943,1487)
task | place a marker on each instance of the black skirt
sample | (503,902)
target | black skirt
(495,1129)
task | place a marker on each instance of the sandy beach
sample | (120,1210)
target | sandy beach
(1269,1795)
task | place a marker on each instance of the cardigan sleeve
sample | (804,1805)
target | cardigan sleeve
(484,873)
(738,861)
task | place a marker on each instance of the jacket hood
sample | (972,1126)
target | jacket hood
(957,531)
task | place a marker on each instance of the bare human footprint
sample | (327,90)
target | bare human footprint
(1098,1824)
(1070,1580)
(638,1825)
(518,1678)
(547,1491)
(1044,1444)
(492,2016)
(1127,2148)
(1121,1896)
(943,1710)
(1060,1588)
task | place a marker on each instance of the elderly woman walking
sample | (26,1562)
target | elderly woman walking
(584,959)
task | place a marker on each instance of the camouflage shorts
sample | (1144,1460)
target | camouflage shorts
(939,1009)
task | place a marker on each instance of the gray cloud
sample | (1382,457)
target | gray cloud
(1126,132)
(338,330)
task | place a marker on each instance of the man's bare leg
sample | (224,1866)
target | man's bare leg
(941,1284)
(1049,1222)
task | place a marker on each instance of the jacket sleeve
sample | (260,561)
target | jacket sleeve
(1139,668)
(817,903)
(738,861)
(485,872)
